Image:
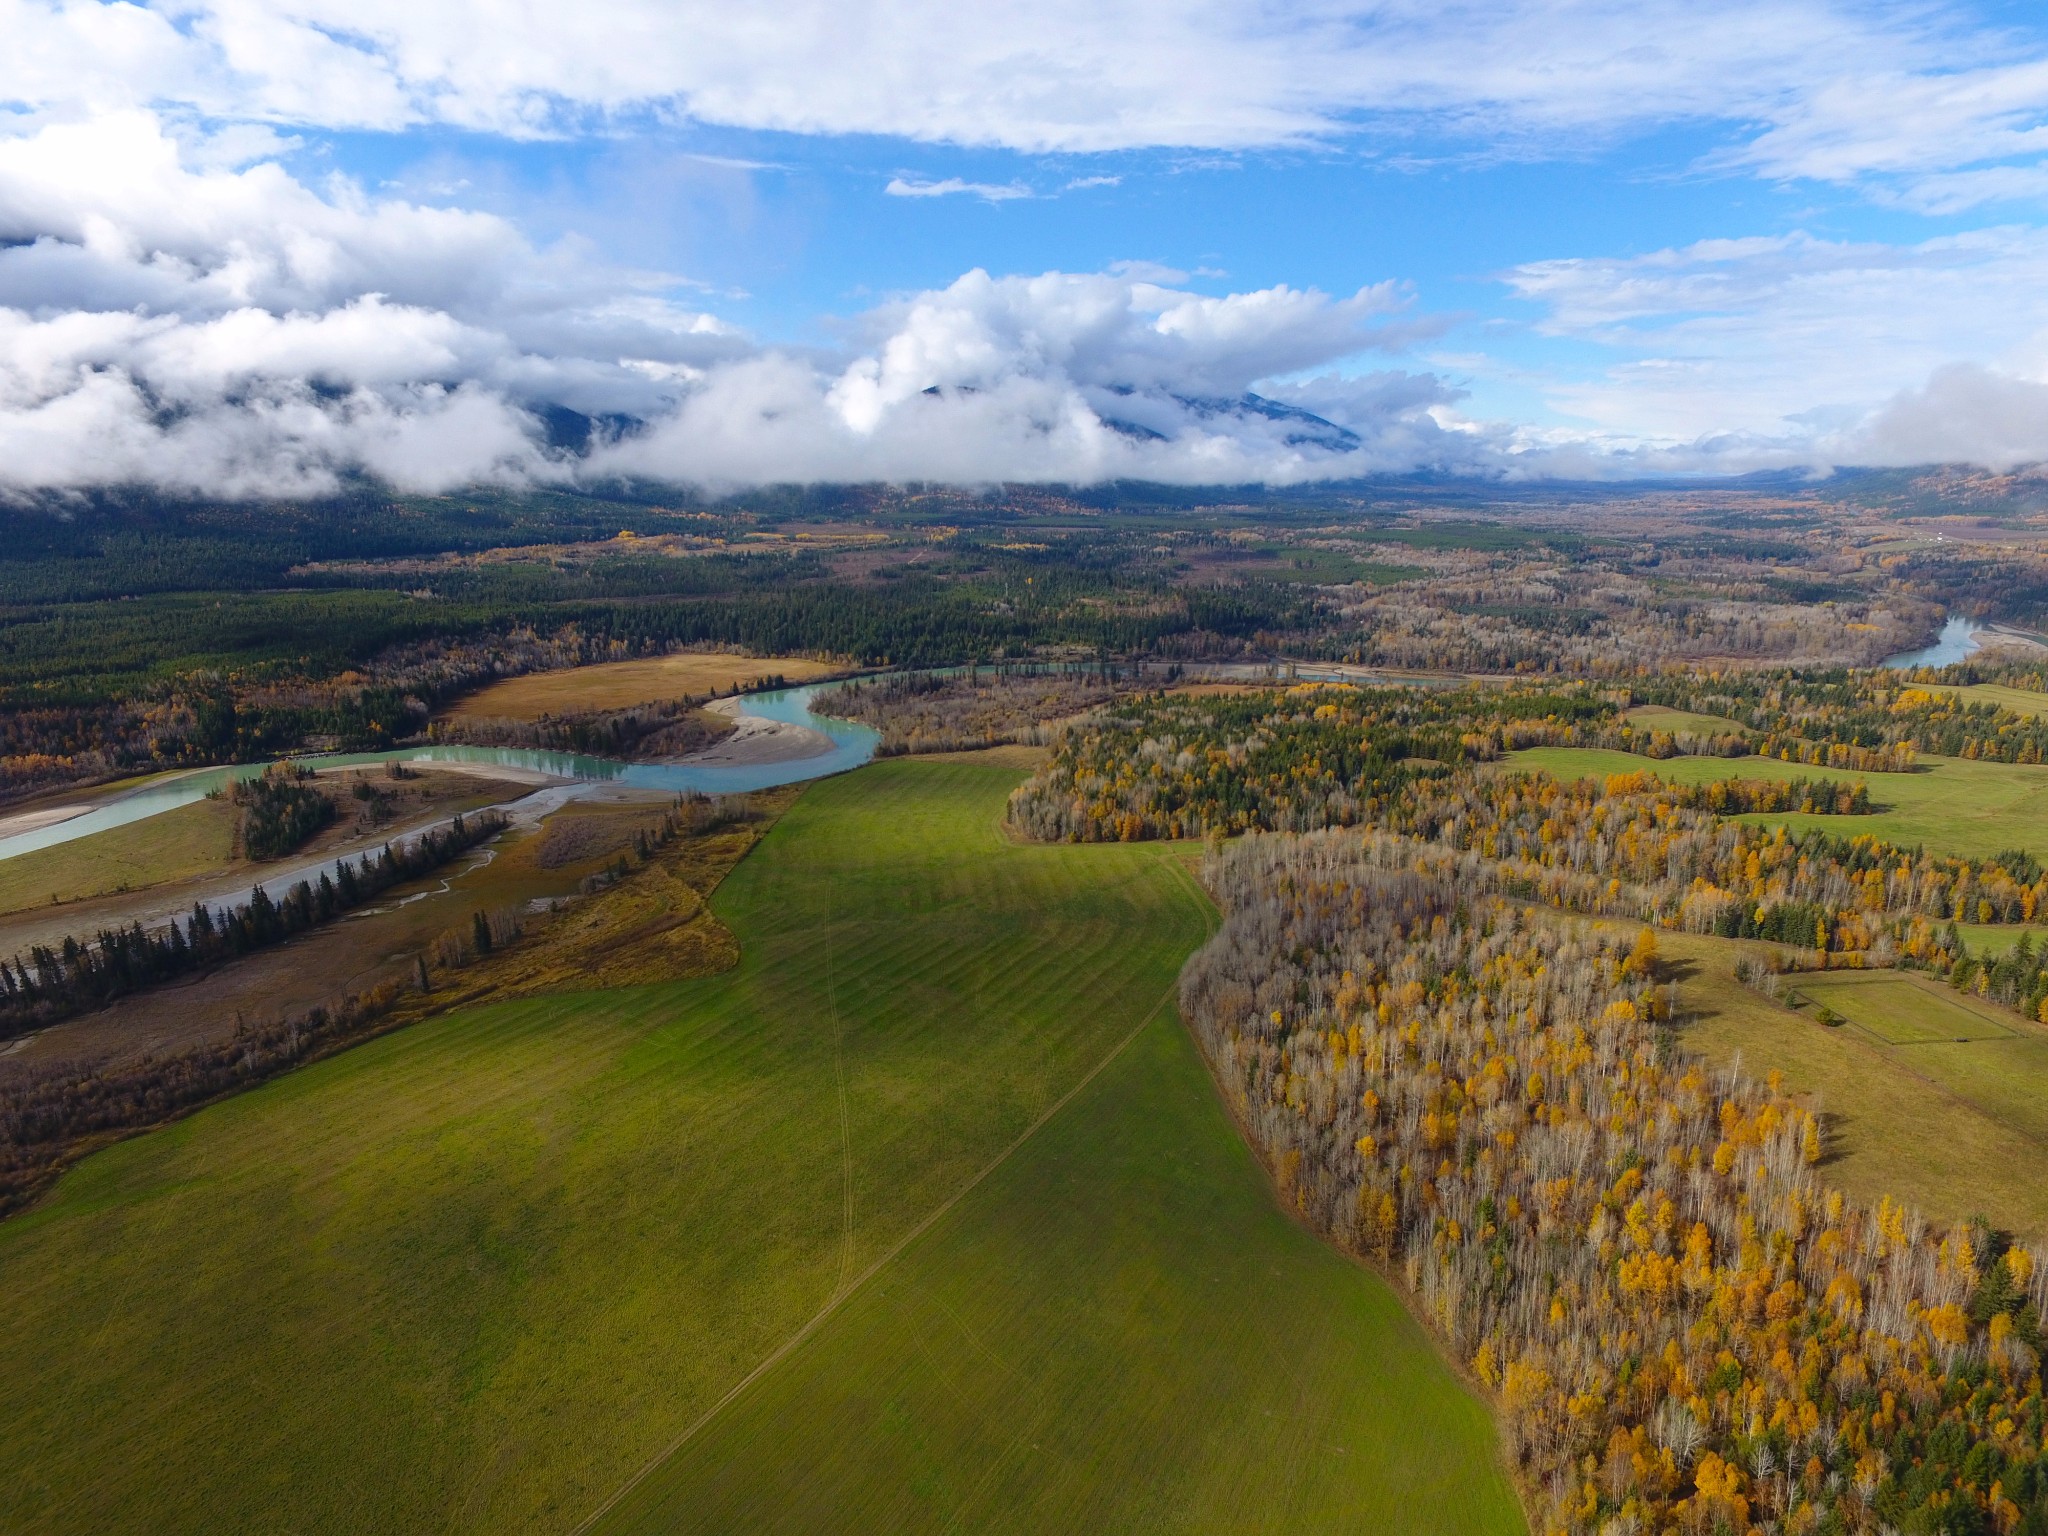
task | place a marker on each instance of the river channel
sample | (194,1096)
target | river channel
(1957,642)
(852,745)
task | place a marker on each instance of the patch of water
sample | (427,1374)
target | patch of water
(1957,642)
(852,745)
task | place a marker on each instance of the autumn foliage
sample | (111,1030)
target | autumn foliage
(1684,1328)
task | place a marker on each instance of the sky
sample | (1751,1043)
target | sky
(264,247)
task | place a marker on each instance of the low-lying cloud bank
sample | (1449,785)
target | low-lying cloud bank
(172,317)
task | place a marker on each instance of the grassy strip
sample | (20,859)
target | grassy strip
(1970,809)
(192,840)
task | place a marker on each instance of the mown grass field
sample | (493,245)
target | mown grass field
(192,840)
(1970,809)
(621,684)
(1659,717)
(477,1274)
(1996,938)
(2021,701)
(1119,1332)
(1894,1008)
(1955,1129)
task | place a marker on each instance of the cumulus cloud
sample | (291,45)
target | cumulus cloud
(1059,376)
(223,327)
(216,328)
(181,318)
(1963,414)
(176,306)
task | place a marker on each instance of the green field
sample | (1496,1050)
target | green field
(1969,809)
(2021,701)
(481,1273)
(1894,1009)
(1659,717)
(192,840)
(1953,1128)
(1995,939)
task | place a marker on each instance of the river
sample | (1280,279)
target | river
(852,745)
(1957,642)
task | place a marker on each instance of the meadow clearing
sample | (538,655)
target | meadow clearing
(623,684)
(1971,809)
(936,1153)
(1953,1128)
(2021,701)
(1661,717)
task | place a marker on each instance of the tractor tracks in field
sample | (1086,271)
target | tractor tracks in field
(848,1289)
(845,1120)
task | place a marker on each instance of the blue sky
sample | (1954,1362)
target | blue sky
(1530,237)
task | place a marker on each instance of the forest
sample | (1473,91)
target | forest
(1684,1329)
(137,634)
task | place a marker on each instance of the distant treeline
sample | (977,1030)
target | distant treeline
(92,690)
(96,652)
(80,975)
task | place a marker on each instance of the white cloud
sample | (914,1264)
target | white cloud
(168,318)
(953,186)
(1963,414)
(172,315)
(177,317)
(1062,376)
(175,305)
(1820,89)
(1786,338)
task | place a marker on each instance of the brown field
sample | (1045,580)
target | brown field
(622,684)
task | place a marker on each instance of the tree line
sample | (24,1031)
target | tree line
(58,981)
(1860,717)
(1624,845)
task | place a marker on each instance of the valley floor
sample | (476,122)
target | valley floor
(498,1269)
